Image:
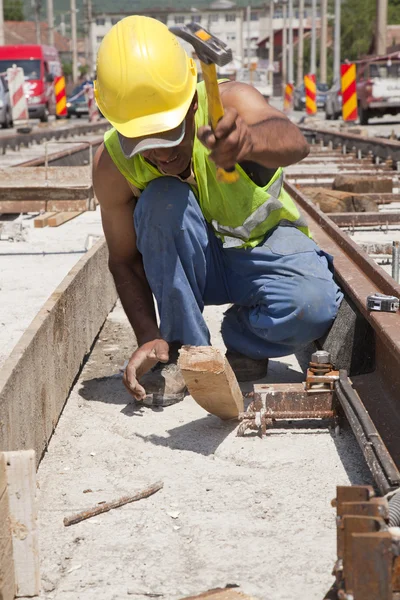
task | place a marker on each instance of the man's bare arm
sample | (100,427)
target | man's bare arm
(125,262)
(253,130)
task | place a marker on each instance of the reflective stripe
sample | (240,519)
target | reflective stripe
(236,236)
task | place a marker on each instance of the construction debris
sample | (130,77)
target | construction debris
(98,510)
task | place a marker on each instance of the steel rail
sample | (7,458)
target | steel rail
(15,141)
(378,147)
(358,275)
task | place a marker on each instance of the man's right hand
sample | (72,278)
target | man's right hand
(141,361)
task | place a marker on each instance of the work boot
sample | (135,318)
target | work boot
(164,383)
(245,368)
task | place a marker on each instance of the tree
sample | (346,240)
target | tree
(14,10)
(358,20)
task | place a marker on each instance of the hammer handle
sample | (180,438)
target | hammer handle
(215,113)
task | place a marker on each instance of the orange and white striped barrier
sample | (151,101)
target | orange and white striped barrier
(19,104)
(349,92)
(311,94)
(93,111)
(288,98)
(61,96)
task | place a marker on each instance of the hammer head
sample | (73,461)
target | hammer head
(208,48)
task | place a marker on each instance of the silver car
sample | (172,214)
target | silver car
(6,120)
(333,103)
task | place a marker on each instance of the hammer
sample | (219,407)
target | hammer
(211,51)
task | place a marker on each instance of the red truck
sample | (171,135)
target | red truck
(378,87)
(41,64)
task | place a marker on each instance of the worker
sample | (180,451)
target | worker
(177,233)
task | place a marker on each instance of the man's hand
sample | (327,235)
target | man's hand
(230,143)
(141,361)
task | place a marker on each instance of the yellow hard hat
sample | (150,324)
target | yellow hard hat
(145,80)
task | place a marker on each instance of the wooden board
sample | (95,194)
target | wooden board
(42,220)
(62,217)
(36,378)
(26,206)
(7,578)
(211,381)
(21,479)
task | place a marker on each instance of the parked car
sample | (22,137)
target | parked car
(77,105)
(41,64)
(299,96)
(6,119)
(333,103)
(257,78)
(378,87)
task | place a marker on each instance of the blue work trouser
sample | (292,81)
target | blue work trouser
(282,291)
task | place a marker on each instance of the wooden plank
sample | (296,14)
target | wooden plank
(21,479)
(36,378)
(22,206)
(211,381)
(26,206)
(42,220)
(46,192)
(7,577)
(62,217)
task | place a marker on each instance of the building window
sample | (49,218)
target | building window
(115,20)
(231,37)
(99,39)
(179,19)
(254,16)
(214,18)
(100,21)
(230,17)
(196,18)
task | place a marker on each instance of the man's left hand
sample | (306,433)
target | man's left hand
(230,142)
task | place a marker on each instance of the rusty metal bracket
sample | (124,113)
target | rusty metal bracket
(368,564)
(285,402)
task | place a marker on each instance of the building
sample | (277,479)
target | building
(242,29)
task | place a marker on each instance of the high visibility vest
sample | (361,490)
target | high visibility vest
(240,213)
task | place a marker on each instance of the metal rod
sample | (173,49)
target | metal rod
(336,57)
(50,22)
(395,261)
(248,36)
(1,23)
(313,65)
(290,40)
(323,41)
(300,47)
(74,42)
(284,48)
(381,27)
(271,46)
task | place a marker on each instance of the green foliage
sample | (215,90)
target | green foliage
(67,68)
(13,10)
(358,25)
(394,12)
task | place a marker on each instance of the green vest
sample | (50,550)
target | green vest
(241,213)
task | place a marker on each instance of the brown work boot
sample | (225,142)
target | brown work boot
(164,383)
(245,368)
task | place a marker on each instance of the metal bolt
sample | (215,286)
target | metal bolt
(395,261)
(321,357)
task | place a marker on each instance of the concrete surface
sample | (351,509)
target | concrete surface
(233,510)
(31,269)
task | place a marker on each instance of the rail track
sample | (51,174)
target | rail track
(359,383)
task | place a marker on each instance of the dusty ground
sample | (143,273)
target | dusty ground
(243,511)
